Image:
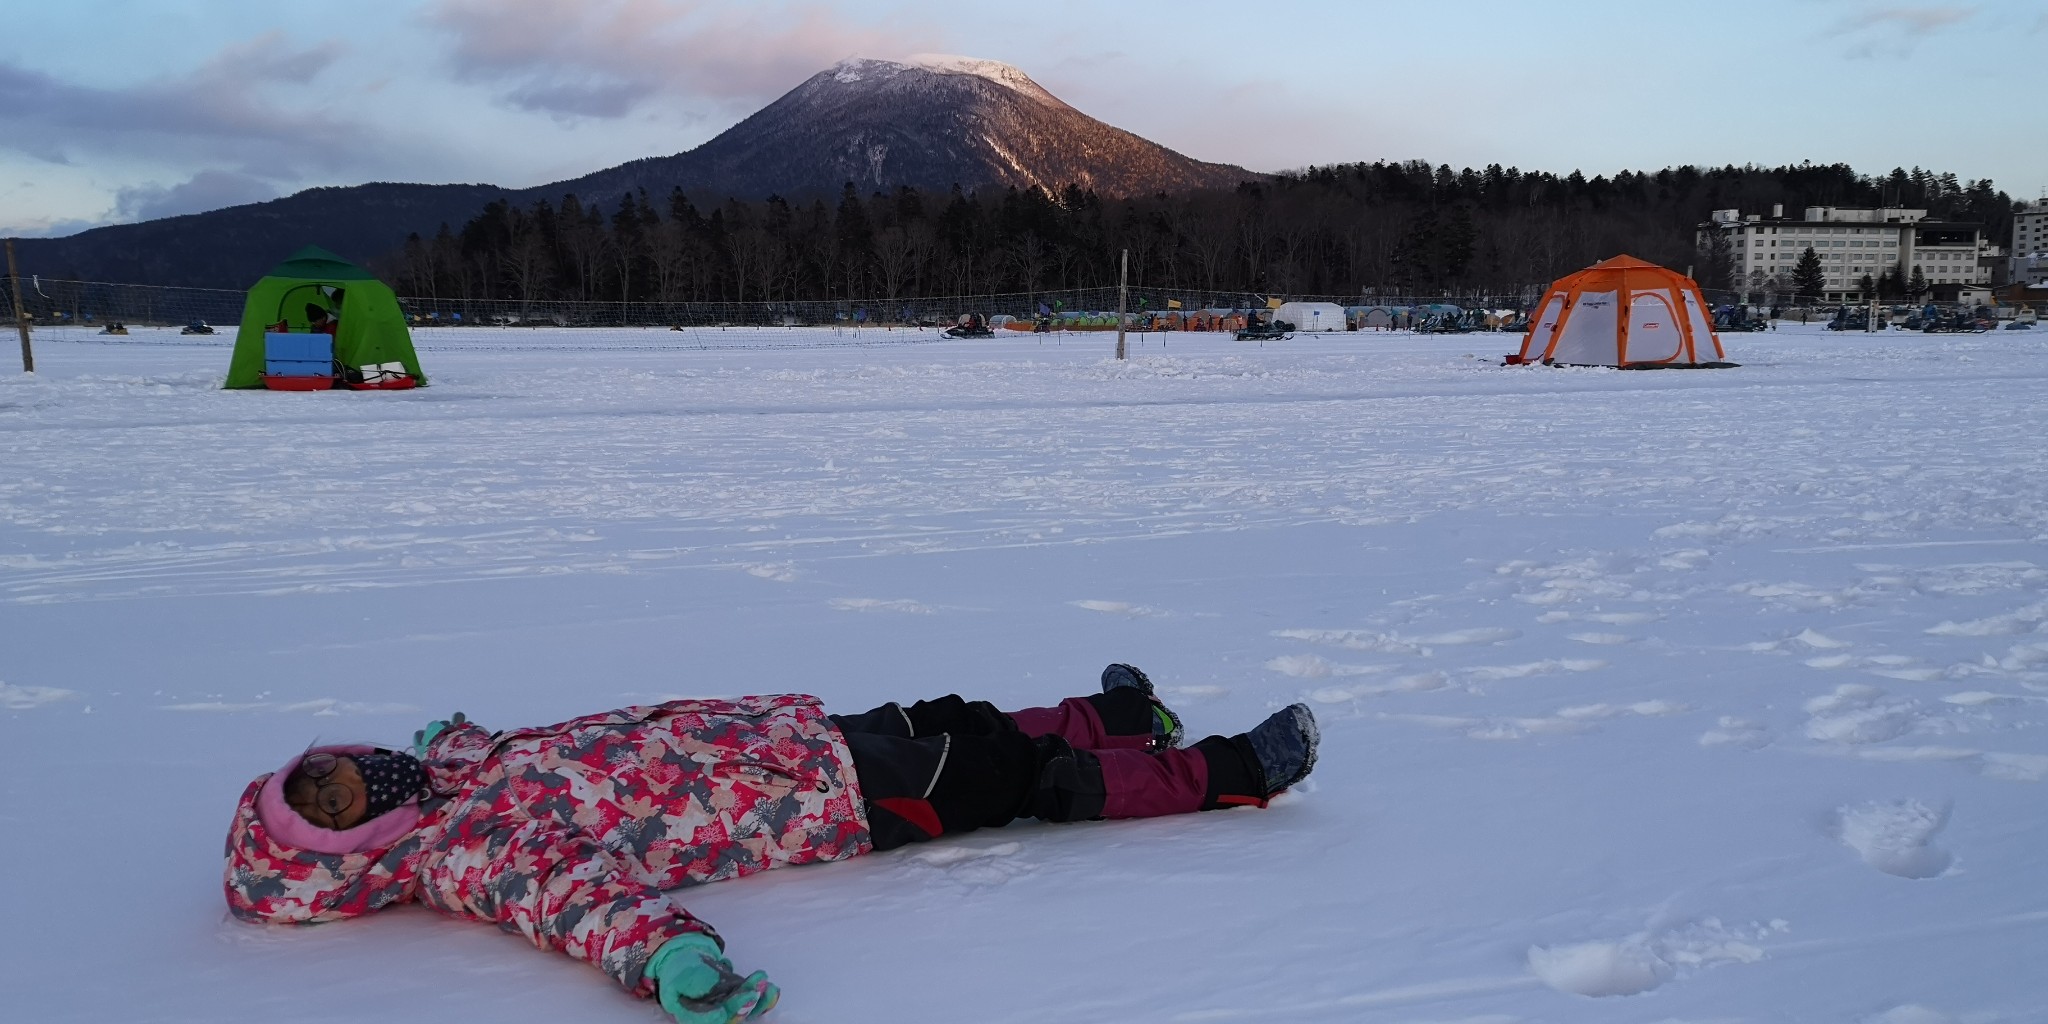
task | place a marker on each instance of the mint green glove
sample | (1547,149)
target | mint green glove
(422,737)
(697,985)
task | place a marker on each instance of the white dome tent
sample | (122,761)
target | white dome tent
(1311,316)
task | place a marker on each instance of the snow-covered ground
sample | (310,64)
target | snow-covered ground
(1707,696)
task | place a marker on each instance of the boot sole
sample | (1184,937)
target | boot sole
(1144,681)
(1304,722)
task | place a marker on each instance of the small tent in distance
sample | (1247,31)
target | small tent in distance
(1624,313)
(369,328)
(1310,317)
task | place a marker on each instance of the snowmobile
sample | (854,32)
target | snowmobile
(1956,323)
(1848,319)
(970,326)
(196,327)
(114,329)
(1738,318)
(1266,330)
(1445,323)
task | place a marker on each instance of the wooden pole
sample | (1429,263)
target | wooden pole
(1123,288)
(28,356)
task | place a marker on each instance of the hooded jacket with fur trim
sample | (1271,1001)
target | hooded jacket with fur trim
(568,834)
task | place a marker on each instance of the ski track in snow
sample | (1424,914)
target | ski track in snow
(1753,634)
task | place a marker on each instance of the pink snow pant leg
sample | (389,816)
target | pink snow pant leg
(1075,721)
(1136,783)
(1140,785)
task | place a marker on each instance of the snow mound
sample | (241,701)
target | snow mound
(1911,1013)
(1897,838)
(1599,968)
(21,698)
(1641,962)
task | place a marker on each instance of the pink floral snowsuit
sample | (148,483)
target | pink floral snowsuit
(568,834)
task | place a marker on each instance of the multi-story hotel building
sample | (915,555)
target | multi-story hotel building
(2029,264)
(1851,243)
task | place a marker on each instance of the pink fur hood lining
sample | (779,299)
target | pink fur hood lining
(287,828)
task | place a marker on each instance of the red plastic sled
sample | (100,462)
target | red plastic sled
(404,383)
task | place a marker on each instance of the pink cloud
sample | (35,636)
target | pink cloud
(1895,31)
(603,58)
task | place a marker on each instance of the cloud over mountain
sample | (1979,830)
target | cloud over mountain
(604,58)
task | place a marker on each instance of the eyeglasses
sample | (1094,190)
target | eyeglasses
(333,798)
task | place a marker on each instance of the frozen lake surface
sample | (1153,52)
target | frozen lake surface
(1679,696)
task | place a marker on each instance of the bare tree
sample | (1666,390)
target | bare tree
(667,252)
(920,242)
(1028,257)
(893,261)
(1208,226)
(753,257)
(586,244)
(525,261)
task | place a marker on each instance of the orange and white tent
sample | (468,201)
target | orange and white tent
(1626,313)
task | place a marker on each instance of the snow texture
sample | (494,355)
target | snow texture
(1678,696)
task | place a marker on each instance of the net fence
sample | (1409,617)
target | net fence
(96,306)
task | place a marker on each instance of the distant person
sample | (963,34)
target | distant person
(319,321)
(568,834)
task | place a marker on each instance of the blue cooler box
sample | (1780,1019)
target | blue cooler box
(298,355)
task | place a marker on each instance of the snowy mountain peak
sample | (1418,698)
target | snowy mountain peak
(929,121)
(993,70)
(870,69)
(860,69)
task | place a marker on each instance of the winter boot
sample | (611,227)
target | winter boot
(1256,766)
(1285,747)
(1166,727)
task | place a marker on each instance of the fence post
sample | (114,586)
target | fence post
(1123,289)
(28,356)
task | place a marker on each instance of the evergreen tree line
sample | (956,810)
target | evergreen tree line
(1340,231)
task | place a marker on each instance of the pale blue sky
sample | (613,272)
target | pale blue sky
(121,110)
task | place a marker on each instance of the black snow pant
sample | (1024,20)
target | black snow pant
(945,766)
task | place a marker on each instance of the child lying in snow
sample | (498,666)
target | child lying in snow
(568,834)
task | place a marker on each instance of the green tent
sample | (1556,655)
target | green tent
(371,328)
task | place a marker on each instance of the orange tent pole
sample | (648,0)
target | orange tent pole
(1692,354)
(1567,287)
(1564,317)
(1621,323)
(1720,354)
